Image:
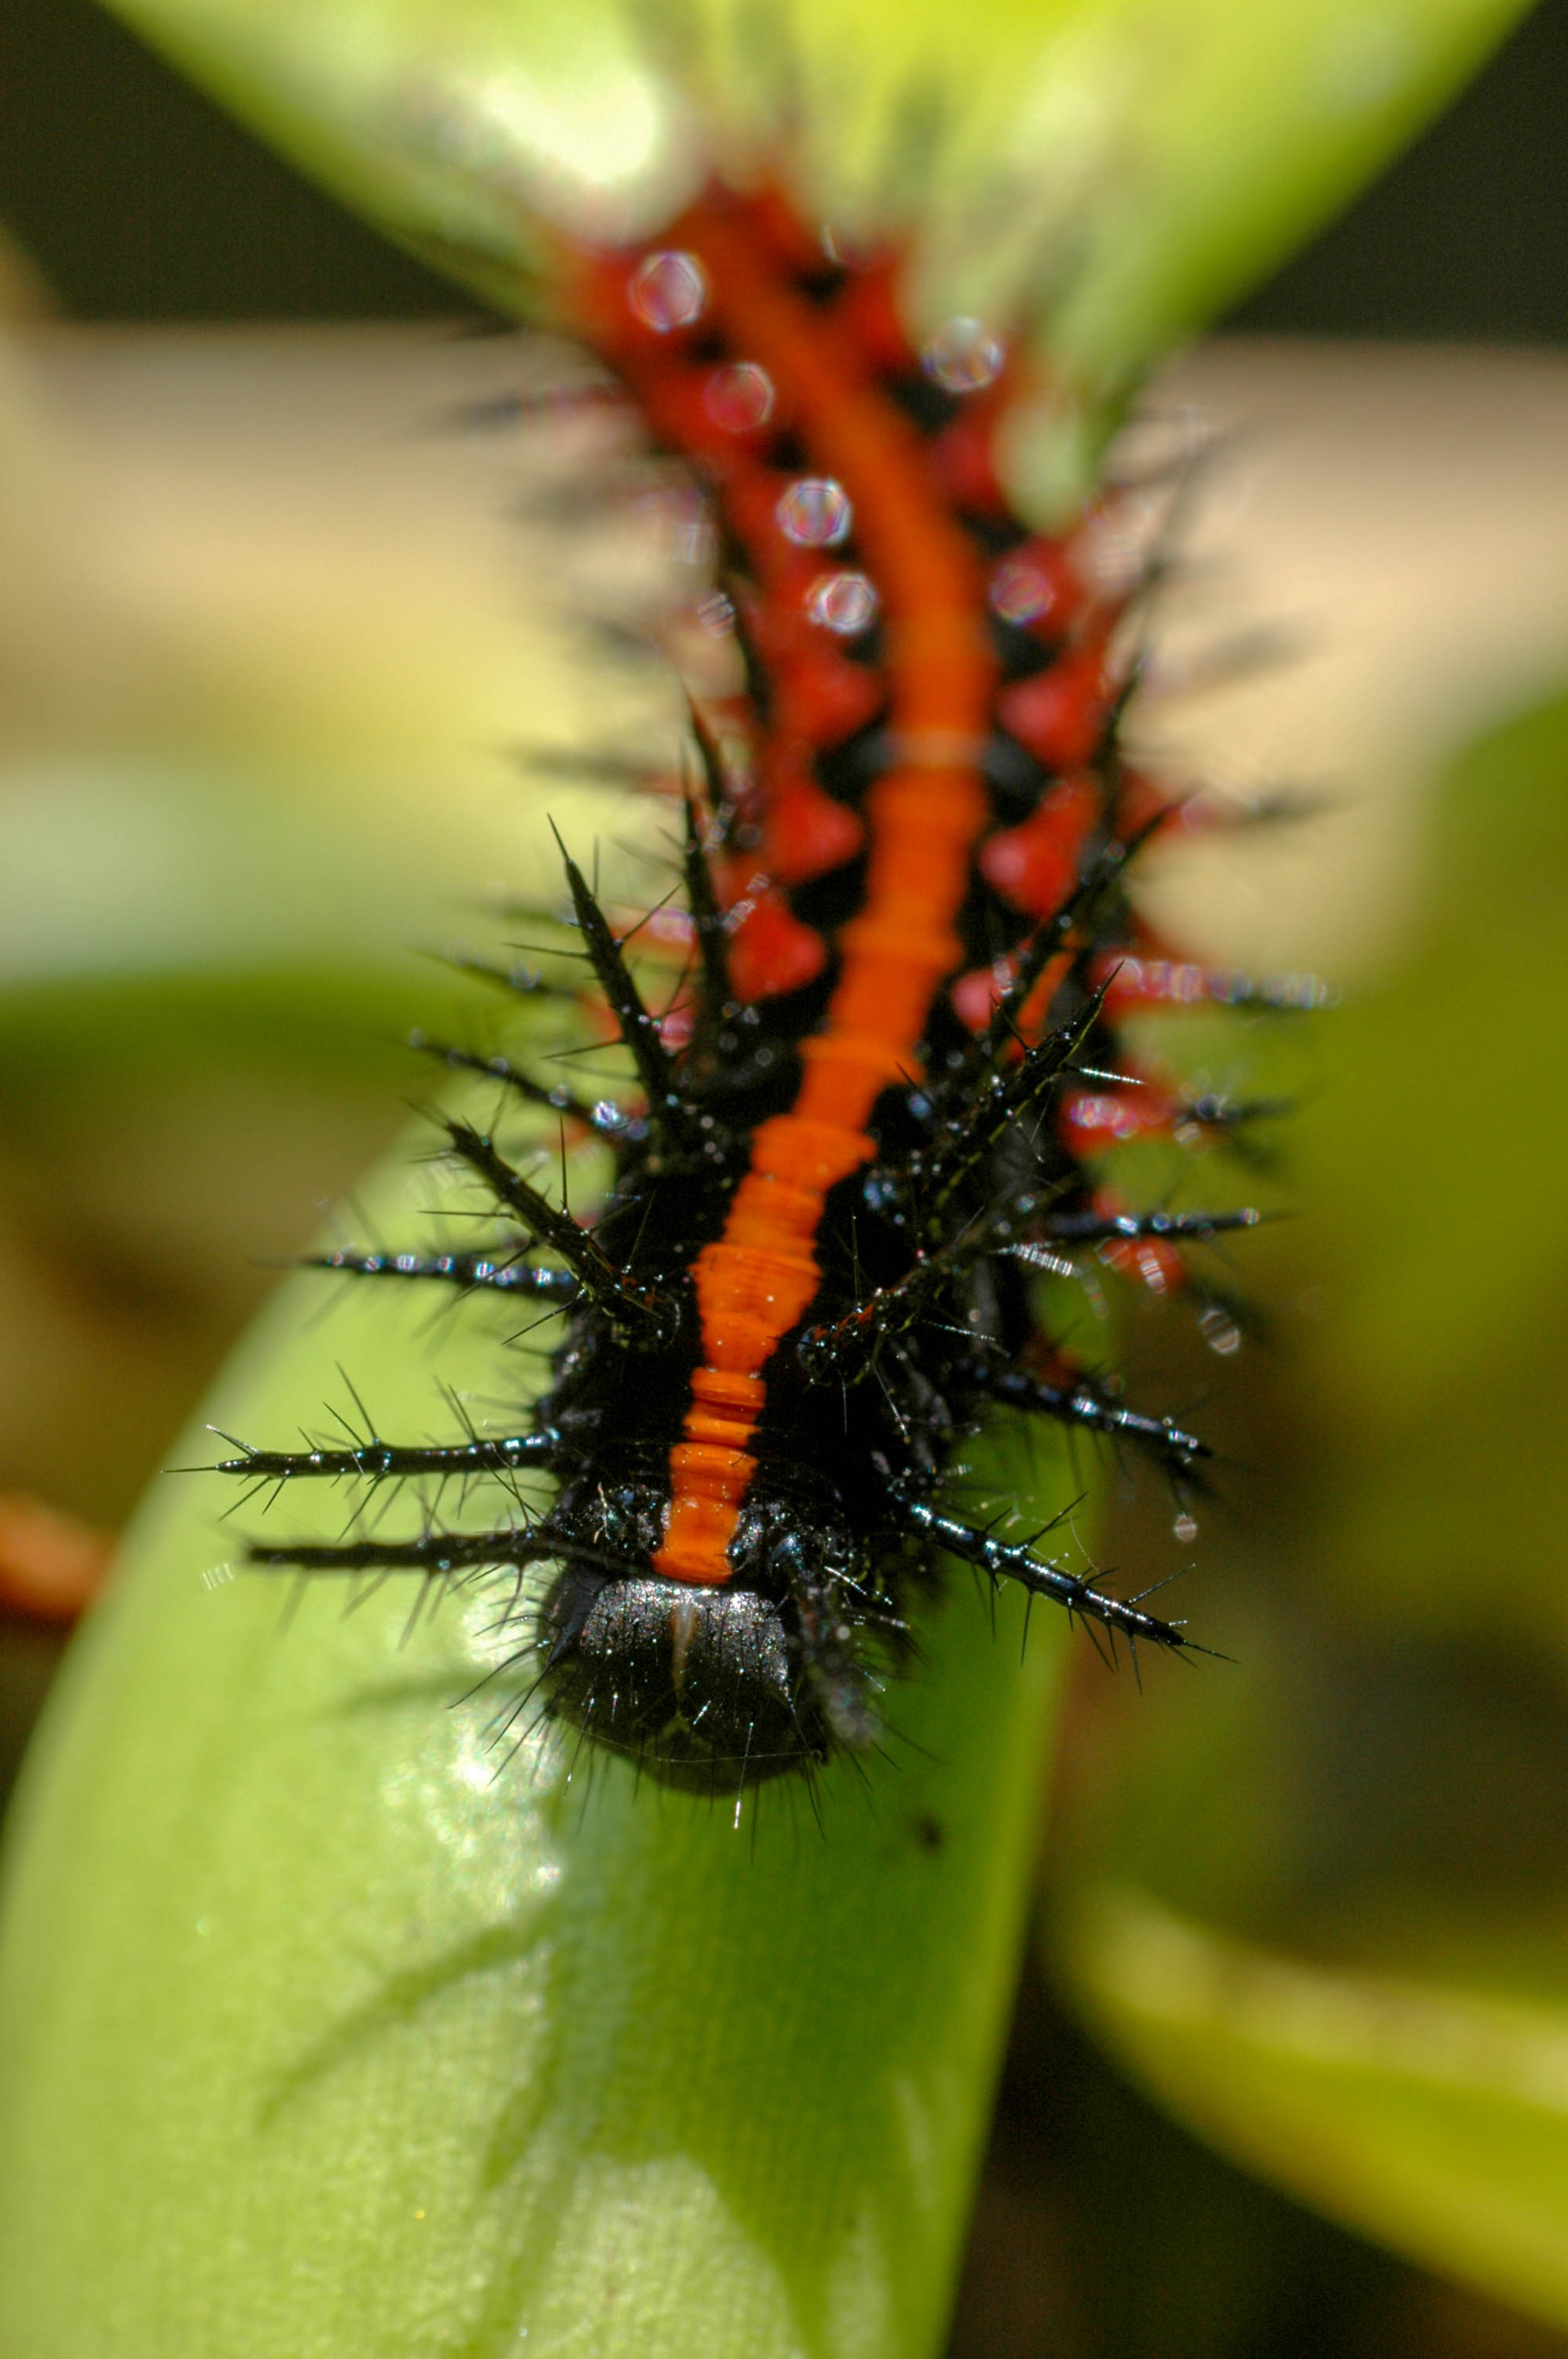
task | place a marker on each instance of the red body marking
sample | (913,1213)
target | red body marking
(924,818)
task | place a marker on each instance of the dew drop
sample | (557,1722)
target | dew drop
(739,398)
(815,512)
(1021,590)
(964,356)
(844,602)
(1185,1529)
(668,290)
(1220,1331)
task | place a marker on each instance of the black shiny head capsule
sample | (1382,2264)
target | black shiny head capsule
(702,1686)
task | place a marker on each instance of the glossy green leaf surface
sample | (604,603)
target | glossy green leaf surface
(332,2024)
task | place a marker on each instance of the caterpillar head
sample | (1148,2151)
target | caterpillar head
(702,1686)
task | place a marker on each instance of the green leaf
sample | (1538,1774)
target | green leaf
(1429,2114)
(331,2024)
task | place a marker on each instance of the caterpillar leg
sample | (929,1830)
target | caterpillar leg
(832,1665)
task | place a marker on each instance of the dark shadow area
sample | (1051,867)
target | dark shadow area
(1467,235)
(138,198)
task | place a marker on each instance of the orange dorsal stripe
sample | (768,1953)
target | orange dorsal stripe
(755,1281)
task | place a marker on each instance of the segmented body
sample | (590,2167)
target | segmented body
(921,816)
(867,1124)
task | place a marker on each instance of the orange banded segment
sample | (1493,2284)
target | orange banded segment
(706,1486)
(923,821)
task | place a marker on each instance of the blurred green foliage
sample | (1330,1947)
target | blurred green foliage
(1321,1904)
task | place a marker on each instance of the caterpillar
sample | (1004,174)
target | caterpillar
(871,1119)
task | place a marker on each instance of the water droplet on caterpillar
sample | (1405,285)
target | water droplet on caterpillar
(668,290)
(964,356)
(815,512)
(739,397)
(842,602)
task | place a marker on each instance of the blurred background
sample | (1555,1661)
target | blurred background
(281,585)
(139,200)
